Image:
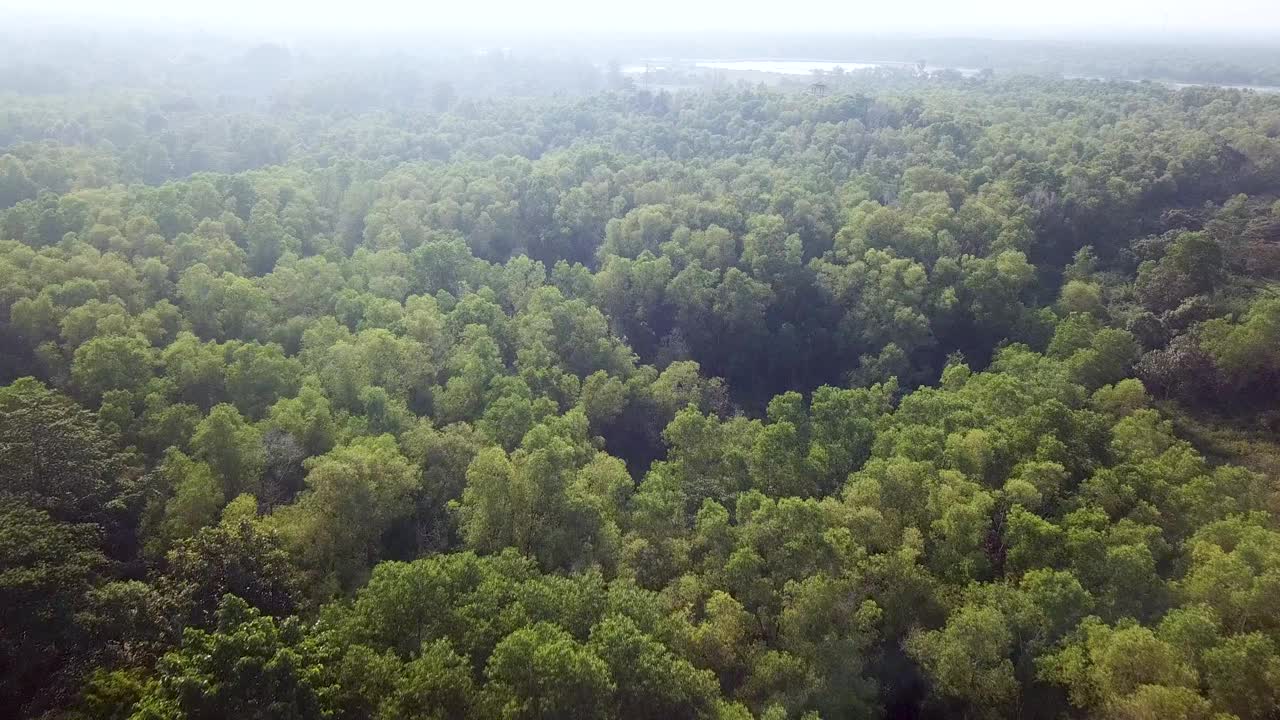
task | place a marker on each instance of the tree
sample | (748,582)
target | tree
(54,456)
(554,497)
(111,363)
(1110,355)
(443,457)
(1234,562)
(1192,265)
(47,568)
(258,375)
(1245,350)
(198,369)
(651,681)
(197,498)
(778,462)
(1243,675)
(436,684)
(267,238)
(540,671)
(603,398)
(1078,296)
(354,494)
(834,626)
(308,418)
(1122,669)
(239,557)
(15,184)
(232,447)
(968,661)
(490,510)
(248,665)
(643,228)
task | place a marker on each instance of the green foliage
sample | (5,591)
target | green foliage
(197,497)
(46,568)
(232,448)
(555,497)
(238,556)
(541,672)
(416,397)
(354,493)
(54,456)
(248,666)
(967,661)
(1246,349)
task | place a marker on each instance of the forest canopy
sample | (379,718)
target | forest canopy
(537,392)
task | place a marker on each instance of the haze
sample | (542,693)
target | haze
(1151,18)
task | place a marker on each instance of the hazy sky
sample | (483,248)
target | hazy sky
(1258,18)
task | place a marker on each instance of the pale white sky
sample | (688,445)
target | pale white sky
(1258,18)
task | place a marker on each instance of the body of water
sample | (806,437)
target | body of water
(784,67)
(809,67)
(773,67)
(1255,88)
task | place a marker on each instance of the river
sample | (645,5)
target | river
(775,66)
(771,66)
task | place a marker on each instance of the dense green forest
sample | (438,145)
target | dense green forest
(506,389)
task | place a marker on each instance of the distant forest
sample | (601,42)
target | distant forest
(375,384)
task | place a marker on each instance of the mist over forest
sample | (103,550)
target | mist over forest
(700,360)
